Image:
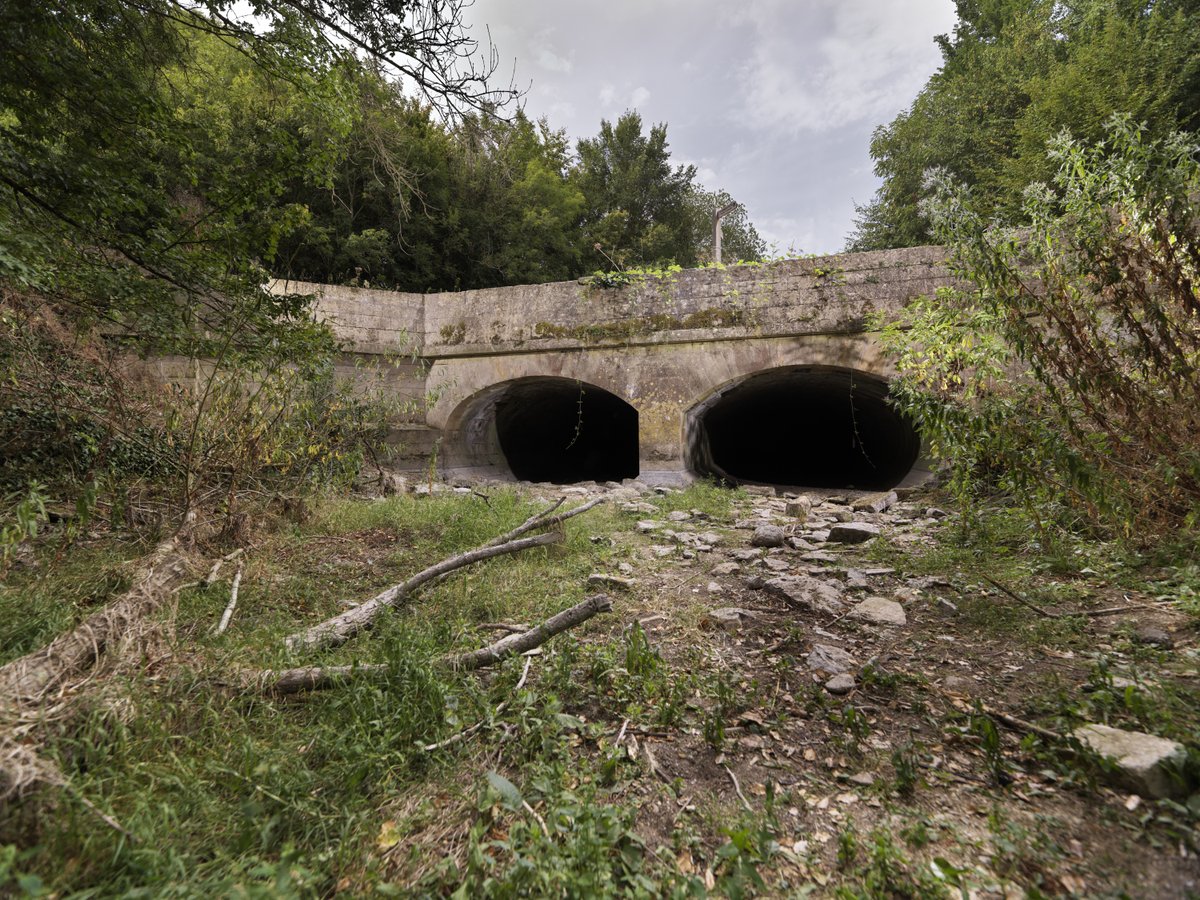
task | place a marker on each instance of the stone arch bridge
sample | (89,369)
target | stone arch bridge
(760,374)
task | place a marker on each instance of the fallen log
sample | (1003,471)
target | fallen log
(31,679)
(314,678)
(342,627)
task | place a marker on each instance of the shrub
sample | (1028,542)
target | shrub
(1066,367)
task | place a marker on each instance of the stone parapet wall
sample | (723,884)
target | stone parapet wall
(820,295)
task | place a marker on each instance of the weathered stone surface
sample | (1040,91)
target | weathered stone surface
(840,685)
(726,568)
(1154,636)
(599,579)
(875,503)
(678,515)
(806,592)
(956,684)
(728,617)
(834,660)
(799,508)
(777,564)
(746,555)
(648,525)
(879,611)
(853,532)
(768,536)
(1145,762)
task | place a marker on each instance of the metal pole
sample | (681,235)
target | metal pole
(717,216)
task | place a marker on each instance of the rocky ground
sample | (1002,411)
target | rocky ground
(907,716)
(811,694)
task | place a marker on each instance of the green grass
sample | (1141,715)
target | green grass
(228,793)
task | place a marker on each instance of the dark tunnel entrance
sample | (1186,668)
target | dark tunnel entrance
(562,430)
(806,427)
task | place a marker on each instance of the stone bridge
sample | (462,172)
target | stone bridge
(759,374)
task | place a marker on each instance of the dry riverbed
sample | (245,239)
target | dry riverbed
(823,694)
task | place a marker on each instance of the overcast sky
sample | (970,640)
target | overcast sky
(772,100)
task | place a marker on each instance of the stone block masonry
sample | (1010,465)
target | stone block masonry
(665,344)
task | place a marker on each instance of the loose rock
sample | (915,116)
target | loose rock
(1154,637)
(729,617)
(840,685)
(599,579)
(1145,763)
(833,660)
(806,592)
(875,503)
(853,532)
(879,611)
(799,508)
(768,536)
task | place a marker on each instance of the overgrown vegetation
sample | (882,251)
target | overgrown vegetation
(1067,370)
(1014,75)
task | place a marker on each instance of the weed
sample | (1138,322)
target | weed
(907,765)
(854,728)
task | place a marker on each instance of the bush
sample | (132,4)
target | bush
(1066,369)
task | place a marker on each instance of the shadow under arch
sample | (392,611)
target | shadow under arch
(545,428)
(802,426)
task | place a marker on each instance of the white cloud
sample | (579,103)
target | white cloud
(640,96)
(867,63)
(552,62)
(608,94)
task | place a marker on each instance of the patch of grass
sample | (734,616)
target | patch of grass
(713,500)
(39,602)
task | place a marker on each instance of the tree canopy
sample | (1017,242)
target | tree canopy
(1016,73)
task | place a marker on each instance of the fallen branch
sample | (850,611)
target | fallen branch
(339,629)
(32,678)
(544,519)
(737,789)
(315,678)
(535,637)
(1014,595)
(233,598)
(211,577)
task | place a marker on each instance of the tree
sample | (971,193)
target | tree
(137,194)
(636,207)
(1014,74)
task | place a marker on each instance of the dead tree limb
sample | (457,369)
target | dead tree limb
(344,626)
(32,678)
(544,519)
(314,678)
(1014,595)
(339,629)
(227,616)
(535,637)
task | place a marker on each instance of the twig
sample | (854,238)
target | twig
(233,597)
(1111,610)
(737,788)
(621,734)
(1037,609)
(467,732)
(512,628)
(533,812)
(211,577)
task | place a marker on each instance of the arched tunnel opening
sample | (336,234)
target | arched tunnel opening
(565,431)
(803,427)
